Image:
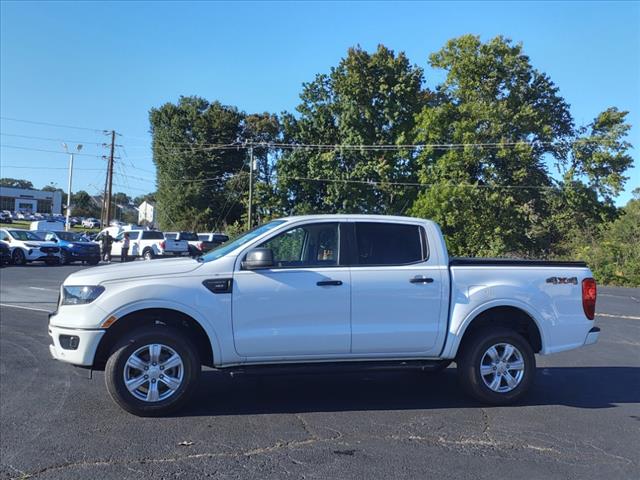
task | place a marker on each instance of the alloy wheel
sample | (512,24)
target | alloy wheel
(153,372)
(502,367)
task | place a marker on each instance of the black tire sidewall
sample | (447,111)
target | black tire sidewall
(147,254)
(18,257)
(114,369)
(469,366)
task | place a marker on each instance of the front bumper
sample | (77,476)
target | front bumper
(34,254)
(592,336)
(83,255)
(87,344)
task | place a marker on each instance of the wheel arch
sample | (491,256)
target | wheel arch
(515,317)
(160,317)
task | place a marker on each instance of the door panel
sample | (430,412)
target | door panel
(300,307)
(397,290)
(391,314)
(285,313)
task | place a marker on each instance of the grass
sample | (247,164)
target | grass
(22,224)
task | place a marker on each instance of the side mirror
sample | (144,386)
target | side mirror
(258,258)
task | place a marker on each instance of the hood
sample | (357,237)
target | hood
(137,269)
(40,243)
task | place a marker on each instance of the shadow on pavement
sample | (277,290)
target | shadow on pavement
(581,387)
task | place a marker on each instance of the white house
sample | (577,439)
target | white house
(147,213)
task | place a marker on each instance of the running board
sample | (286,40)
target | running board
(318,368)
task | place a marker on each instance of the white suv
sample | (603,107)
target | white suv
(28,247)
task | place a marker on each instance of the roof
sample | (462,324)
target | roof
(354,216)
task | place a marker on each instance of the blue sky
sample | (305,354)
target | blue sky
(104,65)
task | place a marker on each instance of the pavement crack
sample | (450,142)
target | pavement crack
(282,445)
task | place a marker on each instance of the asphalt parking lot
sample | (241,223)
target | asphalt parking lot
(581,421)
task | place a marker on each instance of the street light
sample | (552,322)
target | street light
(66,149)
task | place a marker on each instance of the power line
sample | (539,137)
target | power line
(99,130)
(50,168)
(417,184)
(3,145)
(85,142)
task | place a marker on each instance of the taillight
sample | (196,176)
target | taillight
(162,244)
(200,245)
(589,293)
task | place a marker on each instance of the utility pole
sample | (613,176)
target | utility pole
(68,223)
(107,199)
(249,219)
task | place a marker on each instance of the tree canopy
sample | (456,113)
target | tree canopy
(491,152)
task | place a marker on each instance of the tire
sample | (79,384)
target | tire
(93,261)
(53,262)
(18,258)
(148,254)
(487,375)
(64,257)
(139,400)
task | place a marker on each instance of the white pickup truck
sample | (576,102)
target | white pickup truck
(147,244)
(331,291)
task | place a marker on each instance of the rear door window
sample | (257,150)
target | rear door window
(152,235)
(388,244)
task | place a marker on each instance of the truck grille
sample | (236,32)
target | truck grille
(49,249)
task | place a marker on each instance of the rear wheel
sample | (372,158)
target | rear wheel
(18,257)
(497,366)
(152,372)
(148,254)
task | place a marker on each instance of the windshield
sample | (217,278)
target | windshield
(24,235)
(188,236)
(70,236)
(222,250)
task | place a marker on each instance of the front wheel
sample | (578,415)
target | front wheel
(18,257)
(65,258)
(152,372)
(497,366)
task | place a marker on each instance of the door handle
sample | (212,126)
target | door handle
(421,280)
(326,283)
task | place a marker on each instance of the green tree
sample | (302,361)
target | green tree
(368,99)
(192,176)
(506,118)
(15,183)
(83,205)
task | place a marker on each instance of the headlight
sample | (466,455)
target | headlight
(80,295)
(71,245)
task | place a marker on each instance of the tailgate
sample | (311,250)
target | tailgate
(176,246)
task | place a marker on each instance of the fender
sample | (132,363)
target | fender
(458,329)
(179,307)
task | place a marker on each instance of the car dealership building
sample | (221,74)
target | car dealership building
(28,200)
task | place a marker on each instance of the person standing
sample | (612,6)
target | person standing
(106,243)
(125,248)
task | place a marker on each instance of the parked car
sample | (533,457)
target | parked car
(196,246)
(91,223)
(26,247)
(5,254)
(148,244)
(212,240)
(45,225)
(322,292)
(5,217)
(73,221)
(73,246)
